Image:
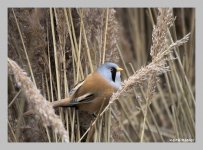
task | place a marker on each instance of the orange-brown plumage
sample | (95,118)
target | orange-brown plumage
(94,92)
(102,92)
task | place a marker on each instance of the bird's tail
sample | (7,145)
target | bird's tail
(61,103)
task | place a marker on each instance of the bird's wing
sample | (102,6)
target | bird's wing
(81,98)
(86,98)
(76,87)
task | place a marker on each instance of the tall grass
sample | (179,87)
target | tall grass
(58,47)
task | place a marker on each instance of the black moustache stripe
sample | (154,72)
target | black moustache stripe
(113,74)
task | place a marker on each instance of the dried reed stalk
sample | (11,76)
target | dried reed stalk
(38,103)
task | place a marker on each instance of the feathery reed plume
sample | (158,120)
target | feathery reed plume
(38,103)
(159,43)
(165,20)
(159,52)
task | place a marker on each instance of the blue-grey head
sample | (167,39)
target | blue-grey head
(111,72)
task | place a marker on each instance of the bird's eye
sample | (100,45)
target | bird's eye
(111,69)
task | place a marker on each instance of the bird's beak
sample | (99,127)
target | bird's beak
(119,69)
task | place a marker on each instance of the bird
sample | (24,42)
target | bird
(93,93)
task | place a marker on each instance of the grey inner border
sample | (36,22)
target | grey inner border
(100,3)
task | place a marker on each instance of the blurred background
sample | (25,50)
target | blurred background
(77,41)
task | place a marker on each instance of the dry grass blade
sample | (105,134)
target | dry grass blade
(25,50)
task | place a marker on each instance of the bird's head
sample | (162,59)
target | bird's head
(111,72)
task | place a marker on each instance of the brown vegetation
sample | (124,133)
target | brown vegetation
(59,47)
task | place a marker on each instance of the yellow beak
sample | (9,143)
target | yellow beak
(119,69)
